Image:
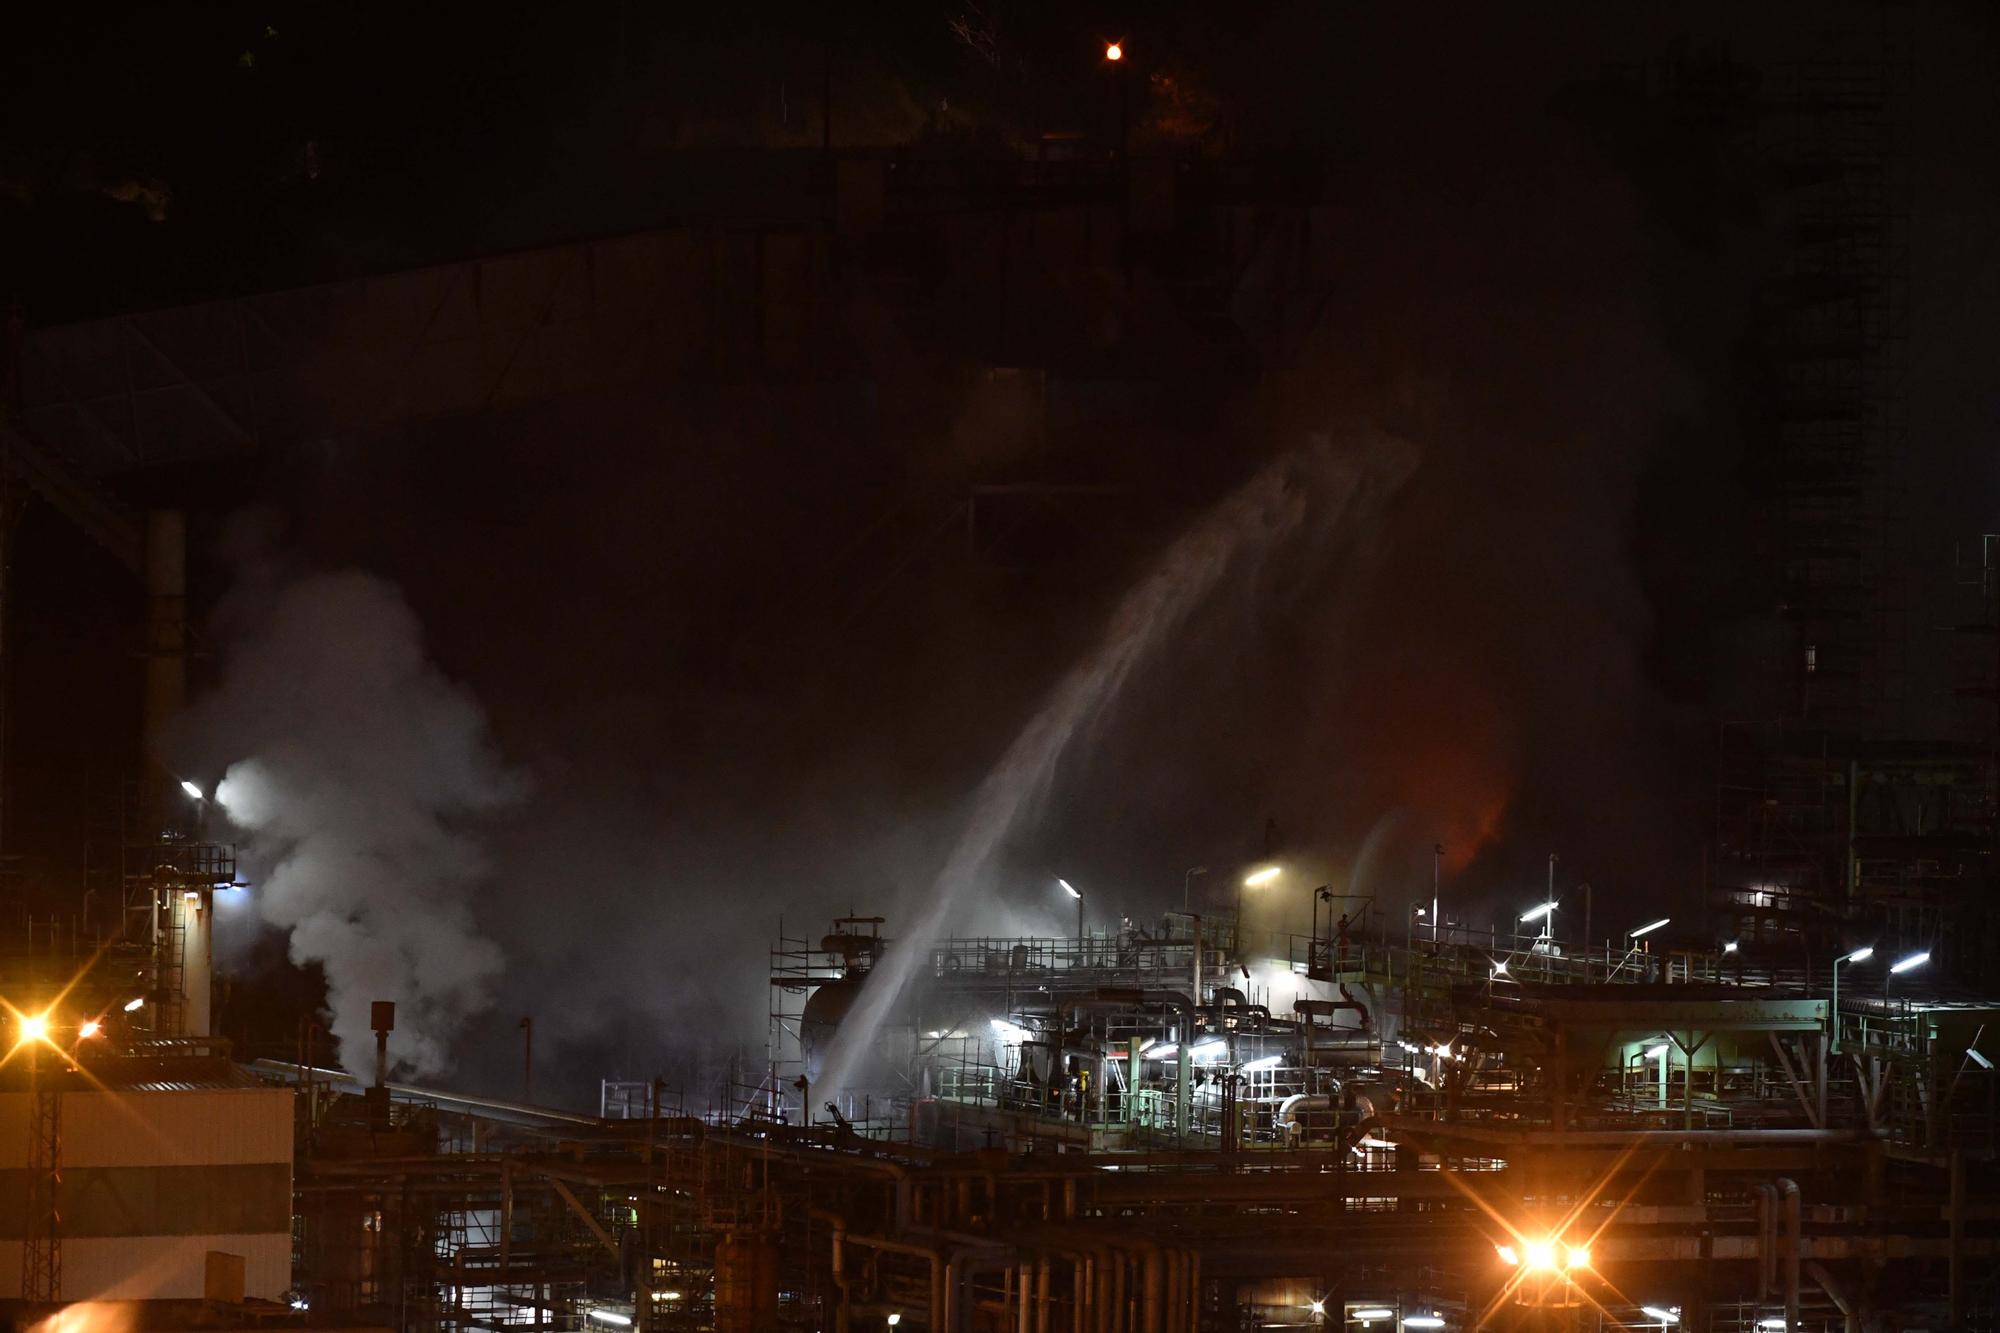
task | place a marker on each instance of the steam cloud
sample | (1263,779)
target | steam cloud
(355,773)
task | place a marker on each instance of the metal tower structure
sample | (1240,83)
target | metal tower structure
(41,1243)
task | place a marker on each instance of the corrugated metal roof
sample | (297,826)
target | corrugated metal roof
(198,1073)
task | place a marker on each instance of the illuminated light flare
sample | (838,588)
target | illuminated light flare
(1537,913)
(1114,53)
(1423,1321)
(1541,1255)
(194,792)
(135,1004)
(1666,1315)
(1257,879)
(1375,1312)
(1649,927)
(1576,1256)
(34,1027)
(1508,1255)
(1914,960)
(90,1028)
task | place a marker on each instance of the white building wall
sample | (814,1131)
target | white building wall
(140,1166)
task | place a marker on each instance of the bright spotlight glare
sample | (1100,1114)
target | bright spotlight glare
(1729,946)
(1778,1324)
(1423,1321)
(1664,1316)
(1536,914)
(1541,1255)
(1069,888)
(1576,1256)
(1317,1307)
(1374,1312)
(90,1028)
(1649,927)
(34,1027)
(1861,955)
(1114,53)
(194,792)
(1500,969)
(1508,1255)
(1257,879)
(135,1004)
(1914,960)
(894,1320)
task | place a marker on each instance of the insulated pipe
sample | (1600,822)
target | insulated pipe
(1152,1282)
(1767,1239)
(1788,1190)
(841,1313)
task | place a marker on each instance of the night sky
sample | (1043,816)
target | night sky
(703,712)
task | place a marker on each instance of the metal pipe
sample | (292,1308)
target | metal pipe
(1788,1191)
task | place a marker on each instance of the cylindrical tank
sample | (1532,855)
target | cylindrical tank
(746,1284)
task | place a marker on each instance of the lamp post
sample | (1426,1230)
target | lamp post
(1900,966)
(1636,935)
(1070,889)
(1256,879)
(1437,873)
(1546,914)
(1187,887)
(1861,955)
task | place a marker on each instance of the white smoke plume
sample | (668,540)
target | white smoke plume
(356,773)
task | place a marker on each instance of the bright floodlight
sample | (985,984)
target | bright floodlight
(1500,968)
(1069,888)
(1258,878)
(34,1027)
(1861,955)
(90,1028)
(1914,960)
(1317,1307)
(1423,1321)
(1771,1323)
(1729,946)
(1508,1255)
(135,1004)
(1541,1255)
(1538,913)
(1664,1316)
(894,1320)
(1114,53)
(1649,927)
(1576,1256)
(194,792)
(1374,1312)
